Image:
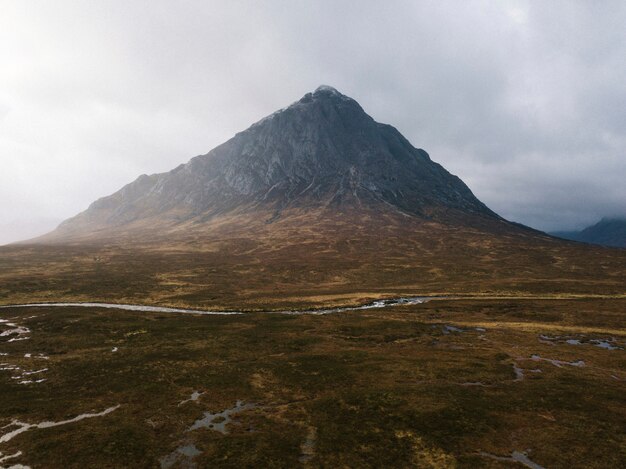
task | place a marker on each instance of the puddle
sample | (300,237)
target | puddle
(476,383)
(183,455)
(520,372)
(27,373)
(516,456)
(194,397)
(9,456)
(31,381)
(4,458)
(7,367)
(307,448)
(16,339)
(447,329)
(15,333)
(607,344)
(22,374)
(219,420)
(17,330)
(39,356)
(558,363)
(24,427)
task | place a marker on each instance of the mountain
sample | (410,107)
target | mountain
(607,232)
(321,151)
(317,204)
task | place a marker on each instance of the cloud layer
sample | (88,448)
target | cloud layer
(525,101)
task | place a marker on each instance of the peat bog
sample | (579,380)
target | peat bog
(448,383)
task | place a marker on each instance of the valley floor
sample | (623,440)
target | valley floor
(449,383)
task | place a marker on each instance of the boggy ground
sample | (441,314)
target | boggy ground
(307,259)
(444,384)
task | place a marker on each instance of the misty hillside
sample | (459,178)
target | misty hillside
(607,232)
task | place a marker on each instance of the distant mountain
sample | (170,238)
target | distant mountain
(321,151)
(607,232)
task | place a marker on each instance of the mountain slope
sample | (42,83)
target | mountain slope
(322,151)
(607,232)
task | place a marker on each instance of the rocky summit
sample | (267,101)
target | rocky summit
(323,151)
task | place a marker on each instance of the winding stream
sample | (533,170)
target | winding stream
(21,427)
(162,309)
(516,456)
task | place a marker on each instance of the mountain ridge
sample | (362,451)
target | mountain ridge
(609,231)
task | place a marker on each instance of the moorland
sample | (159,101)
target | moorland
(449,383)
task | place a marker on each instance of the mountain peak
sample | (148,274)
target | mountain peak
(323,151)
(327,90)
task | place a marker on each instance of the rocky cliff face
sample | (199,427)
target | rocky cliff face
(321,151)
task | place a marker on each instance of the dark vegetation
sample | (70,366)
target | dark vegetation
(387,388)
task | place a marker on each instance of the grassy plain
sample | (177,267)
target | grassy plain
(307,259)
(451,383)
(377,388)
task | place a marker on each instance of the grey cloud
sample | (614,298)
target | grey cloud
(523,100)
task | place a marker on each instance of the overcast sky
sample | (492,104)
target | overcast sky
(525,101)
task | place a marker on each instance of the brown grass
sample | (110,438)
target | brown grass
(309,259)
(377,388)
